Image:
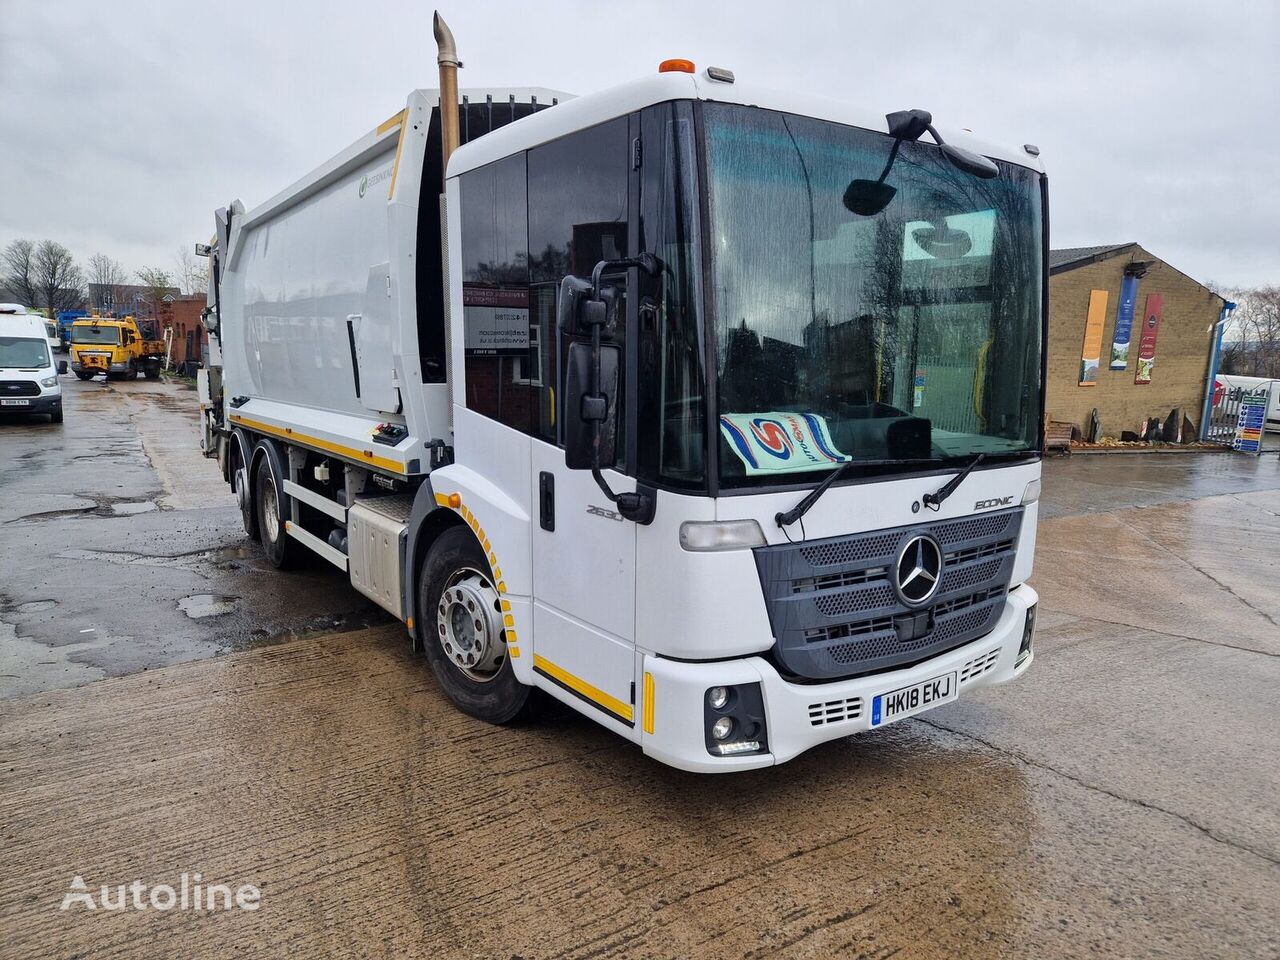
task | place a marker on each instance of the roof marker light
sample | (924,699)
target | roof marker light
(677,65)
(720,73)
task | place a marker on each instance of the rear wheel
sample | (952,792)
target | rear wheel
(151,371)
(245,498)
(276,544)
(84,374)
(463,635)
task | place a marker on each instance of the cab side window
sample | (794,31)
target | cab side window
(497,345)
(577,217)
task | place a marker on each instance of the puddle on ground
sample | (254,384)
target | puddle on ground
(35,606)
(128,508)
(201,605)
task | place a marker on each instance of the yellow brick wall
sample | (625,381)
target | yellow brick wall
(1182,346)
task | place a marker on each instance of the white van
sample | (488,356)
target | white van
(28,378)
(1231,380)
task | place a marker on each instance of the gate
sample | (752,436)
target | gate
(1237,417)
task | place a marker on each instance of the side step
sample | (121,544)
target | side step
(312,542)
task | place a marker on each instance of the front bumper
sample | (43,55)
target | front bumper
(45,403)
(800,716)
(99,367)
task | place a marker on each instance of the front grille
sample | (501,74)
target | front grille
(20,388)
(835,711)
(835,612)
(979,665)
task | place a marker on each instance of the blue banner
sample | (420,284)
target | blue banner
(1124,323)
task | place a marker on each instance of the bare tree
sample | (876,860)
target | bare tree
(19,271)
(108,280)
(58,279)
(1257,325)
(186,263)
(157,283)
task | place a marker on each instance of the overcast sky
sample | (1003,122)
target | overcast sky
(125,124)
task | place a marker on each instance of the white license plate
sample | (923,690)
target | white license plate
(15,403)
(888,707)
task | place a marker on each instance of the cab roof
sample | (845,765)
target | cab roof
(590,109)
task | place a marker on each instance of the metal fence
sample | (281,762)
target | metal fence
(1224,414)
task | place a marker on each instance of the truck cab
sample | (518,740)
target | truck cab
(710,410)
(115,347)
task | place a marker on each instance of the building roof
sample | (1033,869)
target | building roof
(1069,258)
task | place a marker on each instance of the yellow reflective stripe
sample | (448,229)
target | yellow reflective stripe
(647,703)
(580,686)
(286,433)
(393,121)
(395,167)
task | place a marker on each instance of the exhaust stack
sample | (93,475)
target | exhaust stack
(447,58)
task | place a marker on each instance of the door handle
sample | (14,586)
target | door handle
(547,501)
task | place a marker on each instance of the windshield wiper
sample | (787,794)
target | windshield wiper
(934,501)
(812,497)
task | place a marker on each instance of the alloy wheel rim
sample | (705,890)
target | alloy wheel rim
(468,625)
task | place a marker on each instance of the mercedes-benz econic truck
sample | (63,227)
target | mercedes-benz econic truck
(712,411)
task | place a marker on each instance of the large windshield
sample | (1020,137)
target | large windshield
(81,334)
(912,333)
(23,353)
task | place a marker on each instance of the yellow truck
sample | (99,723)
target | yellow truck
(119,347)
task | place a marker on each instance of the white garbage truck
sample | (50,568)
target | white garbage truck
(711,410)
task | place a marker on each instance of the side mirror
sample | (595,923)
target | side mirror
(62,366)
(583,409)
(580,310)
(209,320)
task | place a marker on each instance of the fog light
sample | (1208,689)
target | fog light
(722,728)
(718,697)
(1028,634)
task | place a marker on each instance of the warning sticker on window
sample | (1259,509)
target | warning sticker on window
(780,442)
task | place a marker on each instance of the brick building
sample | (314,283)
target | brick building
(1129,335)
(182,314)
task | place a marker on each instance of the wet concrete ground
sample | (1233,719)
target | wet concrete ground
(1117,801)
(124,550)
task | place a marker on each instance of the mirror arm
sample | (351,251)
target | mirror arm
(638,507)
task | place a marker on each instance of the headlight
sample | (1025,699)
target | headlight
(721,729)
(49,382)
(718,697)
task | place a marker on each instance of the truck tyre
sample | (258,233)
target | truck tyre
(462,630)
(151,371)
(276,543)
(84,374)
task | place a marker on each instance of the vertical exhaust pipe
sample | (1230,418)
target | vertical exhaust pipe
(450,135)
(447,59)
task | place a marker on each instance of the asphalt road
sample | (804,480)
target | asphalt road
(1117,801)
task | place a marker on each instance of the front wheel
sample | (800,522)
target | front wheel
(276,543)
(84,374)
(462,630)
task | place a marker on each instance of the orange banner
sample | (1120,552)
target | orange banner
(1092,353)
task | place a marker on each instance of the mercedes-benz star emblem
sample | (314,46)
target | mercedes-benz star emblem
(919,570)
